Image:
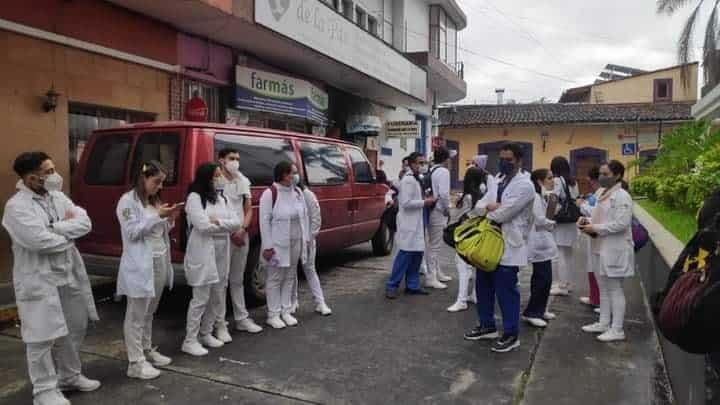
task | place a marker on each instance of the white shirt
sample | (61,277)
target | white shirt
(440,181)
(156,237)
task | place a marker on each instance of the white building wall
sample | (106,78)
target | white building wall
(417,16)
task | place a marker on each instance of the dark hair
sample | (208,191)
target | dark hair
(560,167)
(381,177)
(515,148)
(281,169)
(616,168)
(413,157)
(203,183)
(594,173)
(29,162)
(226,151)
(539,174)
(148,169)
(405,160)
(441,155)
(474,178)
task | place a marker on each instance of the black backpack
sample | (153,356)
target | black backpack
(426,185)
(569,211)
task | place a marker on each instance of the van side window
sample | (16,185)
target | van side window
(258,155)
(107,162)
(324,164)
(161,146)
(361,166)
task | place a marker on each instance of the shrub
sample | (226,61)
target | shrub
(705,177)
(644,186)
(672,191)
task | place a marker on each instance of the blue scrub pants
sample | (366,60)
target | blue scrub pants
(503,284)
(407,265)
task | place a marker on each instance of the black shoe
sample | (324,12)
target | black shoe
(391,295)
(506,344)
(478,333)
(419,291)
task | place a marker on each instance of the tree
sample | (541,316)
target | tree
(711,57)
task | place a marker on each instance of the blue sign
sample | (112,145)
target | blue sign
(299,107)
(386,151)
(628,149)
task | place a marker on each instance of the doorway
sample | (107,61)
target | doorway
(455,182)
(492,150)
(581,161)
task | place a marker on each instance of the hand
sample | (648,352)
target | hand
(165,210)
(492,207)
(69,214)
(214,220)
(268,254)
(580,202)
(588,229)
(430,201)
(240,235)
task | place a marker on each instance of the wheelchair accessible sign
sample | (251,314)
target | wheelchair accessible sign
(628,149)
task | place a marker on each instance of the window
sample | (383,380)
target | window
(443,37)
(663,90)
(373,26)
(347,9)
(324,164)
(361,167)
(106,166)
(360,18)
(336,4)
(258,156)
(209,94)
(647,158)
(161,146)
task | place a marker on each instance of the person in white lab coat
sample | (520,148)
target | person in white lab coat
(514,211)
(543,249)
(52,289)
(235,187)
(285,234)
(145,265)
(410,236)
(207,258)
(480,189)
(586,204)
(437,217)
(311,276)
(612,249)
(566,235)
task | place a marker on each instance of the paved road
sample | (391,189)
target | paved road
(370,351)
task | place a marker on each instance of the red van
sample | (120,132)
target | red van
(351,201)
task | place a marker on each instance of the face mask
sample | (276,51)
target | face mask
(505,167)
(54,182)
(423,169)
(607,181)
(233,166)
(296,179)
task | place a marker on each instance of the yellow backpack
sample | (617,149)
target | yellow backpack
(480,243)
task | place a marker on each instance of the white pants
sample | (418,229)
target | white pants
(466,290)
(434,239)
(238,263)
(311,277)
(58,361)
(140,312)
(566,263)
(612,301)
(280,284)
(209,300)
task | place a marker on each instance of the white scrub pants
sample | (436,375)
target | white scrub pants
(280,284)
(238,263)
(612,300)
(208,300)
(566,262)
(435,229)
(140,312)
(311,277)
(466,289)
(57,361)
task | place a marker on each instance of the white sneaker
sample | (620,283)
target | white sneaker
(596,327)
(142,370)
(586,301)
(194,349)
(323,309)
(597,310)
(289,319)
(549,316)
(536,322)
(443,277)
(51,397)
(561,291)
(157,359)
(435,284)
(612,335)
(457,307)
(222,334)
(472,298)
(275,322)
(210,341)
(294,307)
(248,325)
(80,383)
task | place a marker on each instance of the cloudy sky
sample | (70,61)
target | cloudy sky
(568,40)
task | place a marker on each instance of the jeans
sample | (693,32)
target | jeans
(503,284)
(539,289)
(407,265)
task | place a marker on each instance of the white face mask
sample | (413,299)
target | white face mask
(423,169)
(233,166)
(54,182)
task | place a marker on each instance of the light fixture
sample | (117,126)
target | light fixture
(51,99)
(544,135)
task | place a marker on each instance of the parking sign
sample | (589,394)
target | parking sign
(628,149)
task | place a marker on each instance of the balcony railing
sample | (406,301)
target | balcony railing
(460,69)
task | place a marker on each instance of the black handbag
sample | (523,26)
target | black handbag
(569,211)
(449,231)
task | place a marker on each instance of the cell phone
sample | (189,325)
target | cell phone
(180,204)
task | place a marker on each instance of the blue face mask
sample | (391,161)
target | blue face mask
(505,167)
(296,179)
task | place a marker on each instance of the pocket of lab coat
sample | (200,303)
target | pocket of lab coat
(616,262)
(512,235)
(29,287)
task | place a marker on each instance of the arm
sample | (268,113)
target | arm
(480,209)
(541,220)
(513,203)
(442,184)
(315,217)
(30,232)
(197,215)
(620,217)
(76,227)
(247,203)
(230,222)
(136,228)
(407,188)
(265,219)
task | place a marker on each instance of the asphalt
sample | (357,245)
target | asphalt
(370,351)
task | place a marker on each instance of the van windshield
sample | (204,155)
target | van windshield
(258,156)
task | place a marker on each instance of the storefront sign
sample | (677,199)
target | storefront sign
(270,92)
(363,123)
(402,129)
(318,26)
(196,110)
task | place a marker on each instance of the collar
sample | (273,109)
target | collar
(608,193)
(22,188)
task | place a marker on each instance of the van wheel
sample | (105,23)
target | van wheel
(255,276)
(383,241)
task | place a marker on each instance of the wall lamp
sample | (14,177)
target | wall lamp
(51,100)
(544,135)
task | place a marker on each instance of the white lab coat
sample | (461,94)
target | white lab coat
(410,235)
(565,234)
(516,216)
(135,276)
(542,242)
(440,181)
(616,247)
(200,265)
(34,243)
(275,229)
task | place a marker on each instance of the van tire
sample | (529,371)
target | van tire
(255,276)
(383,241)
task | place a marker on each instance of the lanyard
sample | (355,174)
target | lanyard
(49,208)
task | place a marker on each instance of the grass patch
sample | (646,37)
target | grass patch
(680,223)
